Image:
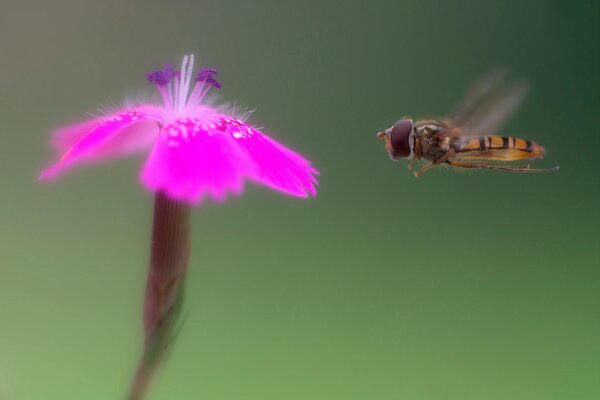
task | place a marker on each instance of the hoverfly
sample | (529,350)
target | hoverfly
(465,139)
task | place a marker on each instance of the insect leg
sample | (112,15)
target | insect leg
(423,169)
(441,159)
(412,161)
(510,168)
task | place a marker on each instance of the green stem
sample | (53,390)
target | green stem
(164,291)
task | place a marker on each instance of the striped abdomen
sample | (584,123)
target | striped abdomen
(498,148)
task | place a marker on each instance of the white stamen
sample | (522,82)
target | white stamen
(166,95)
(170,95)
(182,78)
(187,68)
(188,79)
(175,92)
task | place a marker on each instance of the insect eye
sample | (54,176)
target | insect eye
(399,138)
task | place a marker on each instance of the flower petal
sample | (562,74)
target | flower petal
(96,140)
(65,138)
(191,160)
(273,164)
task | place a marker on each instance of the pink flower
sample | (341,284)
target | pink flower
(195,149)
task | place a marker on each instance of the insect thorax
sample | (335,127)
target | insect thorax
(432,140)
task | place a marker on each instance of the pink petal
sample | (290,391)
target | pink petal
(191,160)
(273,164)
(126,132)
(65,138)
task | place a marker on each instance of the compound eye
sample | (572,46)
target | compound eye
(399,138)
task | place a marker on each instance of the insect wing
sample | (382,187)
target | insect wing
(487,105)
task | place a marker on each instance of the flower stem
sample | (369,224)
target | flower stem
(169,258)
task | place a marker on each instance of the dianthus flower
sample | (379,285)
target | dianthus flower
(196,149)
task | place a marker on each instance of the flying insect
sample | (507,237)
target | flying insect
(467,137)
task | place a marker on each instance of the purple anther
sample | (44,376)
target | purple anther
(161,77)
(206,75)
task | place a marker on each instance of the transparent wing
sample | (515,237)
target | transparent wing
(488,104)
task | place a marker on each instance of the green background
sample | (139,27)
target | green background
(456,285)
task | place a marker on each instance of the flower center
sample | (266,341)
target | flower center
(174,86)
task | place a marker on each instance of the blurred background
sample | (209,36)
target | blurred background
(457,285)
